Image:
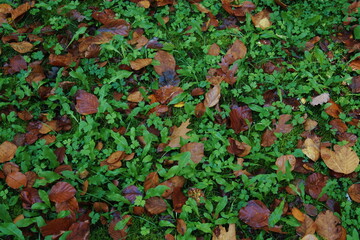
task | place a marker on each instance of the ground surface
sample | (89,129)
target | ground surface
(163,119)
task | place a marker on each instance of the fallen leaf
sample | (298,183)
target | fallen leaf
(281,163)
(140,63)
(240,149)
(17,63)
(311,44)
(314,185)
(16,180)
(178,199)
(321,99)
(310,124)
(61,60)
(268,138)
(7,151)
(262,19)
(61,192)
(114,160)
(354,192)
(342,160)
(29,196)
(311,210)
(240,118)
(37,73)
(10,167)
(200,110)
(196,150)
(355,84)
(22,47)
(339,125)
(135,97)
(308,226)
(180,226)
(71,205)
(20,10)
(237,51)
(300,216)
(355,64)
(79,231)
(214,50)
(56,226)
(151,181)
(333,110)
(220,233)
(308,236)
(179,132)
(240,161)
(212,97)
(86,103)
(117,234)
(155,205)
(328,226)
(165,94)
(131,192)
(281,126)
(167,62)
(197,92)
(255,214)
(311,149)
(238,10)
(116,26)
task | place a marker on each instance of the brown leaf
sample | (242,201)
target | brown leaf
(333,110)
(240,118)
(86,103)
(179,132)
(165,94)
(354,192)
(355,84)
(238,10)
(61,192)
(21,47)
(37,73)
(100,207)
(262,19)
(10,167)
(220,233)
(240,161)
(61,60)
(155,205)
(131,192)
(71,205)
(29,196)
(321,99)
(314,185)
(179,199)
(200,110)
(255,214)
(140,63)
(310,124)
(281,126)
(20,10)
(328,226)
(212,97)
(355,64)
(308,226)
(16,180)
(49,126)
(236,51)
(196,150)
(114,160)
(151,181)
(135,97)
(310,44)
(117,234)
(116,26)
(89,44)
(79,231)
(268,138)
(311,149)
(197,92)
(7,151)
(56,226)
(308,236)
(17,63)
(342,160)
(180,226)
(281,163)
(237,148)
(300,216)
(167,62)
(214,50)
(339,125)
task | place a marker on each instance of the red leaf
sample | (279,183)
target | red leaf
(255,214)
(79,231)
(86,103)
(56,226)
(61,192)
(29,196)
(239,117)
(314,185)
(179,199)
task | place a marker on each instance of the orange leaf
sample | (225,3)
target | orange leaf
(179,132)
(16,180)
(135,97)
(20,10)
(86,103)
(333,110)
(22,47)
(167,62)
(140,63)
(180,226)
(308,226)
(300,216)
(212,97)
(61,192)
(196,150)
(7,151)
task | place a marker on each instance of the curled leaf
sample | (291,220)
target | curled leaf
(212,97)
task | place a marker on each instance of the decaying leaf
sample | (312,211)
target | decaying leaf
(342,160)
(240,118)
(281,126)
(151,181)
(240,149)
(212,97)
(196,150)
(155,205)
(131,192)
(333,110)
(86,103)
(255,214)
(214,50)
(328,226)
(262,19)
(339,125)
(300,216)
(308,226)
(56,226)
(116,26)
(180,226)
(321,99)
(22,47)
(281,163)
(310,124)
(179,199)
(268,138)
(114,160)
(135,97)
(179,132)
(354,192)
(220,233)
(311,149)
(167,62)
(237,51)
(140,63)
(314,185)
(61,192)
(355,84)
(7,151)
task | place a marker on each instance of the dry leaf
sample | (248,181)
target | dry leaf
(167,62)
(355,84)
(56,226)
(333,110)
(311,149)
(61,192)
(314,185)
(214,50)
(114,160)
(237,51)
(131,192)
(151,181)
(79,231)
(179,132)
(300,216)
(212,97)
(354,192)
(200,110)
(61,60)
(255,214)
(20,10)
(7,151)
(116,26)
(321,99)
(310,124)
(240,149)
(22,47)
(342,160)
(262,19)
(179,199)
(180,226)
(328,226)
(86,103)
(196,150)
(281,126)
(309,236)
(240,118)
(140,63)
(308,226)
(220,233)
(281,163)
(135,97)
(155,205)
(16,180)
(339,125)
(268,138)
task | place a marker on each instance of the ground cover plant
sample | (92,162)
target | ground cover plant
(163,119)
